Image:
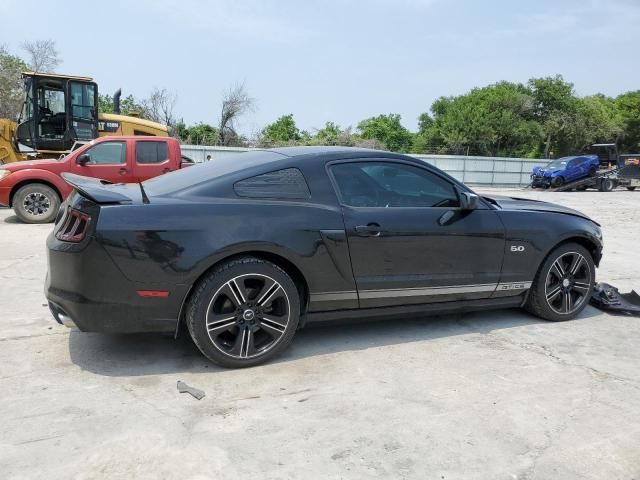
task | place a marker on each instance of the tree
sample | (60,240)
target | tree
(628,107)
(281,132)
(43,55)
(128,105)
(11,87)
(159,107)
(388,130)
(199,134)
(555,110)
(235,103)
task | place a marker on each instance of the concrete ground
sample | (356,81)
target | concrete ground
(497,395)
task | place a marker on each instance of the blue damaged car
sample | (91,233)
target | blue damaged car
(565,170)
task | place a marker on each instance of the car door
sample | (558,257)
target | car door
(108,160)
(152,159)
(409,240)
(575,169)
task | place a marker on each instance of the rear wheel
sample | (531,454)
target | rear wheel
(36,203)
(563,284)
(607,185)
(244,313)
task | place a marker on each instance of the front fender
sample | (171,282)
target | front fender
(36,175)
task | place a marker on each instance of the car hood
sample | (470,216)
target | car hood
(545,171)
(525,204)
(22,165)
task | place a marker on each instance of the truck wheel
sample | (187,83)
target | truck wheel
(557,182)
(606,185)
(36,203)
(631,189)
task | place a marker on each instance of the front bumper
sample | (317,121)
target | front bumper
(5,193)
(85,289)
(538,181)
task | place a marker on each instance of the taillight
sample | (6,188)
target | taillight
(74,226)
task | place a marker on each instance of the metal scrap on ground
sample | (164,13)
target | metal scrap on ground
(194,392)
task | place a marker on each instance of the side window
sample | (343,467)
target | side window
(383,184)
(107,153)
(151,152)
(288,183)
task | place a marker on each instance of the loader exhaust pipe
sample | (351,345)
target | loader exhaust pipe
(116,101)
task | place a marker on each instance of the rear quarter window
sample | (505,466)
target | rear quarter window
(288,183)
(151,152)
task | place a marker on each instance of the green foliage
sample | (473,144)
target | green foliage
(128,105)
(281,132)
(628,106)
(11,89)
(388,130)
(199,134)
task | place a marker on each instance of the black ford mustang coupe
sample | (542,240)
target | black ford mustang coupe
(245,250)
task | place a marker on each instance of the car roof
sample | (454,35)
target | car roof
(320,149)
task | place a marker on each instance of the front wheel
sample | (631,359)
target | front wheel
(36,203)
(243,313)
(557,182)
(563,284)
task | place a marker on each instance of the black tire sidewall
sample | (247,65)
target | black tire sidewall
(537,303)
(557,182)
(206,288)
(50,193)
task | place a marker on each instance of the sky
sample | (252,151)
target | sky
(331,60)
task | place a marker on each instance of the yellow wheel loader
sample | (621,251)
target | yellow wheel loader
(58,112)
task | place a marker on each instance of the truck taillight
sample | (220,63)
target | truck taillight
(74,226)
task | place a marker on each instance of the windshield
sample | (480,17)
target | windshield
(560,163)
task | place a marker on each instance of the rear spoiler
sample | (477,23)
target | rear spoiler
(100,191)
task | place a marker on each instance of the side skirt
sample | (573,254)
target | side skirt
(420,309)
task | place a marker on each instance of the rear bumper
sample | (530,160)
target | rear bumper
(85,289)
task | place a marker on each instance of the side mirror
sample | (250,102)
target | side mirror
(468,201)
(83,159)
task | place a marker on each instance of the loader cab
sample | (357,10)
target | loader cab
(58,110)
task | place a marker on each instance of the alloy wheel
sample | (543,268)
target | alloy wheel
(36,204)
(248,315)
(568,283)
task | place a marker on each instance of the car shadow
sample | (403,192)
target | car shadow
(153,354)
(12,219)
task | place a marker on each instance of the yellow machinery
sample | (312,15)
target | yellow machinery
(60,110)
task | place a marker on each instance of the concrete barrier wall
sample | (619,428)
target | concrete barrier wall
(472,170)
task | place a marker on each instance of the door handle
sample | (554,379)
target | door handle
(123,171)
(369,230)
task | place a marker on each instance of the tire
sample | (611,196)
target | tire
(631,189)
(36,203)
(548,295)
(243,313)
(557,182)
(607,185)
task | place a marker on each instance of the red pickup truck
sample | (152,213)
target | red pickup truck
(35,188)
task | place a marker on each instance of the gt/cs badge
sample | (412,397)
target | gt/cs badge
(517,248)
